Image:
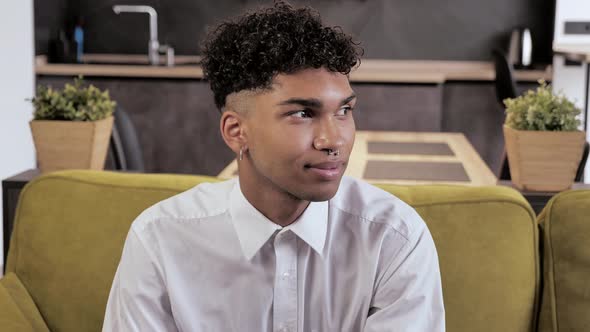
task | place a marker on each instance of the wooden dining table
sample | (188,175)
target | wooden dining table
(412,158)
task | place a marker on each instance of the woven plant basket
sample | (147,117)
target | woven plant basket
(71,144)
(543,160)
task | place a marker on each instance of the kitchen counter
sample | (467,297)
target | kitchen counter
(370,70)
(573,52)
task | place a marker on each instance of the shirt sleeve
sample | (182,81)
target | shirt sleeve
(138,300)
(408,295)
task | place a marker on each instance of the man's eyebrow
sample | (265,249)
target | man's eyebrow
(348,99)
(313,102)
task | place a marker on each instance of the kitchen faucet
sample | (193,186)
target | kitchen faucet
(154,47)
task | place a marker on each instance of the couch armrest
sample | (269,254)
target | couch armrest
(18,312)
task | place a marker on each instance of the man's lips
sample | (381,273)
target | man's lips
(325,165)
(327,169)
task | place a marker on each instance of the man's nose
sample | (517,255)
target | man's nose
(328,136)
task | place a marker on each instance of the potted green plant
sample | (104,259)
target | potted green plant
(543,143)
(72,127)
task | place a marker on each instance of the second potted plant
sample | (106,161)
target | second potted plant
(543,143)
(72,127)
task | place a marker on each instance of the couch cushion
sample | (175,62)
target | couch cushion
(487,242)
(69,232)
(18,312)
(565,225)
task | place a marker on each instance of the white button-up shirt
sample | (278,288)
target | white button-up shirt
(207,260)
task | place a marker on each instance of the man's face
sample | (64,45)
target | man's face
(290,129)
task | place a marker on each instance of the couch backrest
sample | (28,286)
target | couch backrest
(69,232)
(70,229)
(487,243)
(565,225)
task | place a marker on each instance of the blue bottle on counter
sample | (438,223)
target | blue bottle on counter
(79,39)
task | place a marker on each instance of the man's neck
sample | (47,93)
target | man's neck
(278,206)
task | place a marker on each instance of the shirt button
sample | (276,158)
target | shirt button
(286,275)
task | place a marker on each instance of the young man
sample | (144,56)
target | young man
(290,245)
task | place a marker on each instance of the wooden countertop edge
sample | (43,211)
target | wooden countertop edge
(370,71)
(580,52)
(194,72)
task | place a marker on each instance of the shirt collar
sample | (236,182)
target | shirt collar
(312,225)
(254,229)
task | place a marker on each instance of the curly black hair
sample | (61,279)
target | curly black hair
(246,54)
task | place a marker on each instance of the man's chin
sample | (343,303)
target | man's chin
(322,193)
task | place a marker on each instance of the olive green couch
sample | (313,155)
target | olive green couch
(70,228)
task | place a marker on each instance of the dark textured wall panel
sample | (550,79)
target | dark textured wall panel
(398,107)
(472,109)
(50,16)
(398,29)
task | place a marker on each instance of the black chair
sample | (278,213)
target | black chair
(504,83)
(580,172)
(506,88)
(124,149)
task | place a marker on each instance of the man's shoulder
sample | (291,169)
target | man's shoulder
(201,201)
(370,204)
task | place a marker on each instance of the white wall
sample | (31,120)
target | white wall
(570,10)
(571,80)
(17,82)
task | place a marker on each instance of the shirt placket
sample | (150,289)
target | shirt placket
(285,287)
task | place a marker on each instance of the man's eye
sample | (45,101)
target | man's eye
(301,114)
(344,110)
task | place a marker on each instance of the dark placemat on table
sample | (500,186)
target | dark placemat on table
(412,170)
(436,149)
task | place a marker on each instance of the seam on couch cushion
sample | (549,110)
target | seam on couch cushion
(548,281)
(40,326)
(456,202)
(547,216)
(98,176)
(547,212)
(15,305)
(65,176)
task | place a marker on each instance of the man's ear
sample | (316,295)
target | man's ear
(232,130)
